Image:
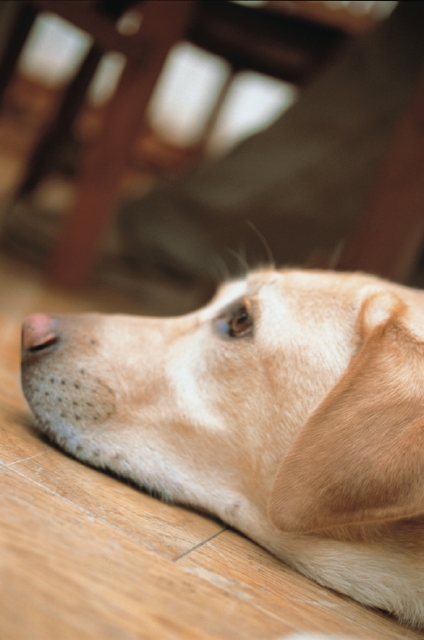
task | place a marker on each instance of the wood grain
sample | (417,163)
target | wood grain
(70,573)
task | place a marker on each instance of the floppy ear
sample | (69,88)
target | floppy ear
(360,456)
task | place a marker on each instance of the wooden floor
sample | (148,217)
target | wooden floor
(83,555)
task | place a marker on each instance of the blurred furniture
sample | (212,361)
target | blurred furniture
(268,42)
(388,239)
(164,23)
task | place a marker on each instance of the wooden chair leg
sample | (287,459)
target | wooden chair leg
(164,24)
(389,237)
(58,133)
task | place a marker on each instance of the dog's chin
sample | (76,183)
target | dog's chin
(66,436)
(76,441)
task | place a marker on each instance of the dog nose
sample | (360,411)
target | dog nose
(38,331)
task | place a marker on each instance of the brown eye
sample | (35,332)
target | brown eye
(241,323)
(236,321)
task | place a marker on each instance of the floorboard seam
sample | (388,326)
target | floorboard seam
(200,544)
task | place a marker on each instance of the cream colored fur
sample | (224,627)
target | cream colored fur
(291,406)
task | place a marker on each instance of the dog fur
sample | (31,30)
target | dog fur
(291,407)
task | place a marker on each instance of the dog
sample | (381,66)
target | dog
(291,406)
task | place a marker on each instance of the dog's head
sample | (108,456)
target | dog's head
(293,395)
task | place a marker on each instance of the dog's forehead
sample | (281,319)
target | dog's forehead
(293,290)
(257,282)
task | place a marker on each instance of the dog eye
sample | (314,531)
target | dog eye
(237,321)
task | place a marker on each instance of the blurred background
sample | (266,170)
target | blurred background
(164,92)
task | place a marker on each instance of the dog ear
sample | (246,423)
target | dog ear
(360,456)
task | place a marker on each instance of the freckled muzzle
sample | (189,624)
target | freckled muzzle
(60,377)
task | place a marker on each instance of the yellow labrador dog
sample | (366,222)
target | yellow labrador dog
(291,406)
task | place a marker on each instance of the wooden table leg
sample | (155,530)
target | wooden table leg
(164,24)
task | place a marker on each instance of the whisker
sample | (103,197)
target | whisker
(268,251)
(221,269)
(241,260)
